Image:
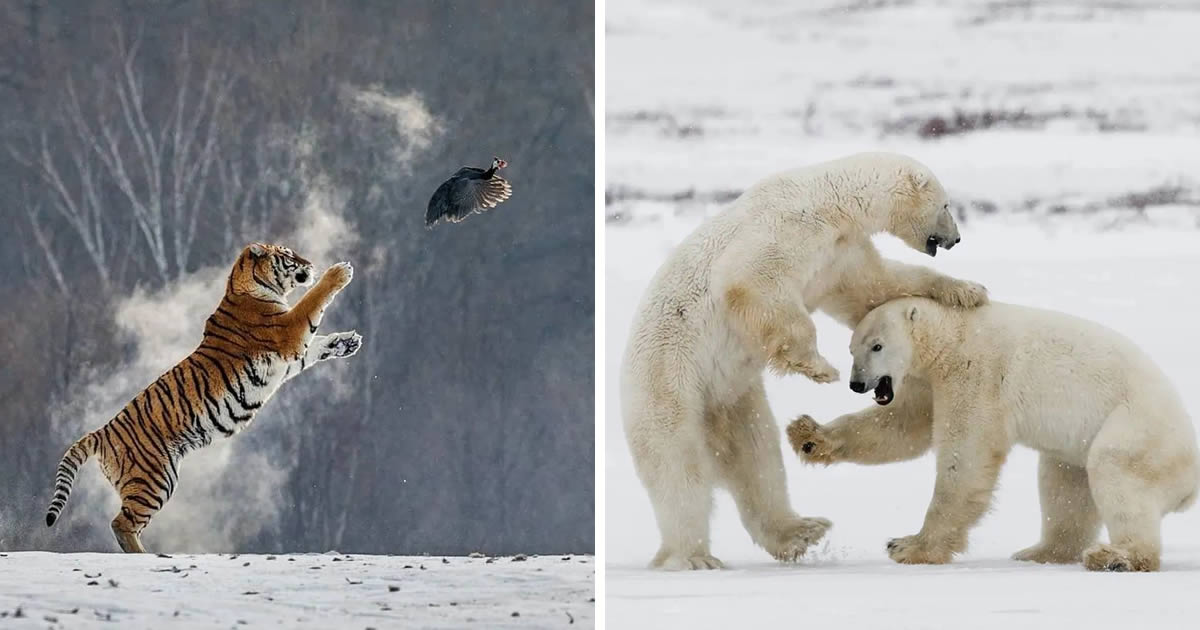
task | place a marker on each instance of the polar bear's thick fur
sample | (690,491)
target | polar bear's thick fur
(733,299)
(1116,445)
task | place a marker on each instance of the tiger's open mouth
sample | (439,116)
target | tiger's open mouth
(883,391)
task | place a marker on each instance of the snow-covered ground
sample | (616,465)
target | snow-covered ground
(331,590)
(1082,194)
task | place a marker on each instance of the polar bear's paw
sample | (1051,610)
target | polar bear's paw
(794,538)
(959,293)
(683,562)
(820,370)
(814,367)
(1101,557)
(1047,554)
(809,441)
(786,356)
(917,550)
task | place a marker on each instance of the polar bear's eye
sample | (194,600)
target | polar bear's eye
(876,348)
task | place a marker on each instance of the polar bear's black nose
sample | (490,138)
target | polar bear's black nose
(858,387)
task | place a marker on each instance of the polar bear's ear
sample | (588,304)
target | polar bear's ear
(912,313)
(918,180)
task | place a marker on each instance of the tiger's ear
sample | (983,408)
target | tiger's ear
(258,250)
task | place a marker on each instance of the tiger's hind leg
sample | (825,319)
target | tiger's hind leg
(127,527)
(139,503)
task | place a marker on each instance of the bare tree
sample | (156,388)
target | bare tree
(165,177)
(76,199)
(237,193)
(253,180)
(33,211)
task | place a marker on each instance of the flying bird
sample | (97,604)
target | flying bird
(469,191)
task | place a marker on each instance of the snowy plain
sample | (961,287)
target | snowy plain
(1076,168)
(330,590)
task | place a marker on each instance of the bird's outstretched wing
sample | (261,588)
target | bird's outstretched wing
(459,197)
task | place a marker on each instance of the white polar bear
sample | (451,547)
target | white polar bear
(1116,444)
(734,298)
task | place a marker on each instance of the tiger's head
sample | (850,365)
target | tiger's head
(269,272)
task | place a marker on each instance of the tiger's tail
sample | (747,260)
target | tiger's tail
(79,453)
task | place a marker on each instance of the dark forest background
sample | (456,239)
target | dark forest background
(142,144)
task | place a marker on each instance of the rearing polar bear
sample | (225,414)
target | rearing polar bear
(1116,444)
(734,298)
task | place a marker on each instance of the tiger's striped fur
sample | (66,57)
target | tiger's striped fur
(252,344)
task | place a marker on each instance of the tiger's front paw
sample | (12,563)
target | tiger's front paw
(339,275)
(341,345)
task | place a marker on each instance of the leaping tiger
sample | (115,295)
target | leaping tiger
(252,344)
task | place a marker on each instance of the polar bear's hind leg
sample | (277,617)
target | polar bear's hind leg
(744,439)
(1128,487)
(682,500)
(678,477)
(1070,521)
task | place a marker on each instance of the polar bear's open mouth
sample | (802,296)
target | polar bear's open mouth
(883,391)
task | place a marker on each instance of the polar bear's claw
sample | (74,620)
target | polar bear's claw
(795,538)
(822,372)
(805,436)
(1101,557)
(816,368)
(697,562)
(917,550)
(960,293)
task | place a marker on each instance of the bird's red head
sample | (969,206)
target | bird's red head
(498,163)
